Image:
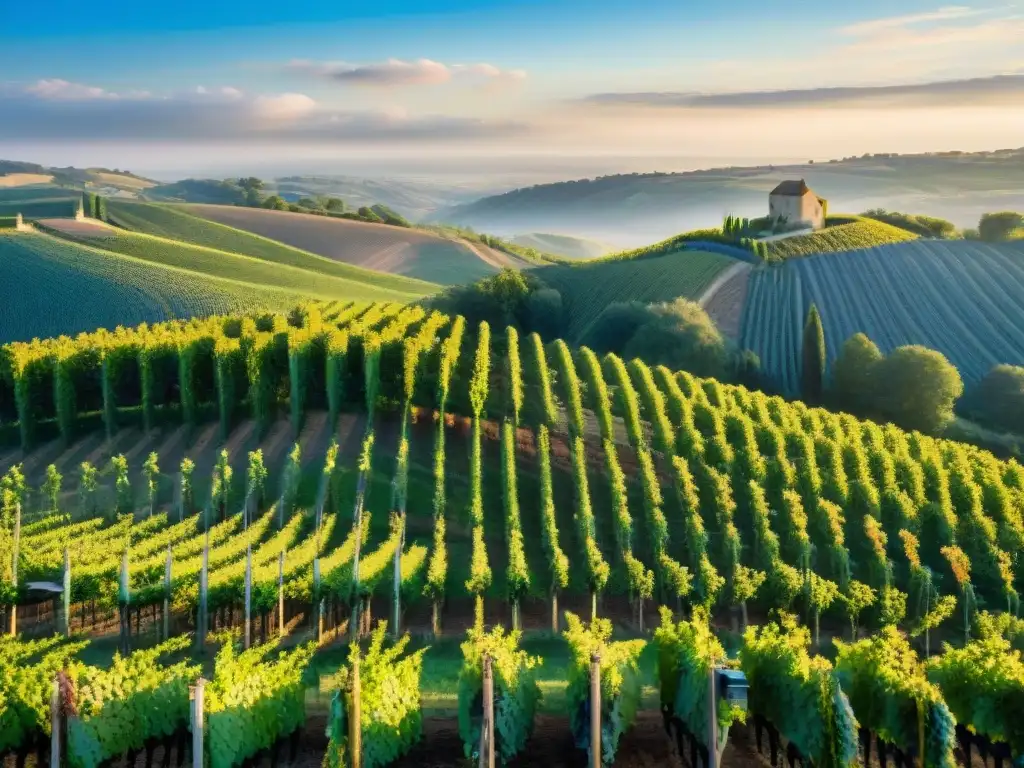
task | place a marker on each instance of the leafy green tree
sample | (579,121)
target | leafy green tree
(854,375)
(813,357)
(921,387)
(858,597)
(87,489)
(681,335)
(545,313)
(310,202)
(821,593)
(368,214)
(275,203)
(615,326)
(1004,225)
(152,471)
(335,205)
(997,401)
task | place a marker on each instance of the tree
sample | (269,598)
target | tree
(854,374)
(821,593)
(615,326)
(368,214)
(335,205)
(681,335)
(310,202)
(1004,225)
(921,386)
(545,313)
(858,597)
(813,352)
(51,487)
(997,401)
(275,203)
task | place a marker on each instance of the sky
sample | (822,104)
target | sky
(521,86)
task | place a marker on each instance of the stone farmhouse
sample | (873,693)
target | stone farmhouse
(794,204)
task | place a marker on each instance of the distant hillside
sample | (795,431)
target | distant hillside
(563,245)
(160,224)
(109,181)
(414,199)
(638,208)
(383,248)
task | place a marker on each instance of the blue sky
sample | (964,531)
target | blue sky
(475,76)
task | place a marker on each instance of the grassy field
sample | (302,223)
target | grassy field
(53,287)
(42,192)
(859,233)
(963,298)
(588,287)
(395,250)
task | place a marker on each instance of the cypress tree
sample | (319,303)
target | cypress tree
(813,369)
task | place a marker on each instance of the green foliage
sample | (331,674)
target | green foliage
(571,388)
(515,374)
(517,577)
(516,692)
(983,684)
(859,233)
(51,487)
(122,486)
(253,701)
(391,720)
(586,528)
(923,226)
(889,691)
(1004,225)
(557,560)
(905,402)
(122,707)
(479,382)
(813,356)
(620,683)
(687,652)
(548,409)
(997,401)
(680,335)
(799,694)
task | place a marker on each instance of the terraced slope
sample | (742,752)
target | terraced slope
(175,224)
(53,286)
(588,287)
(395,250)
(963,298)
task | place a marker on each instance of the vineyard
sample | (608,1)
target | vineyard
(959,297)
(850,236)
(179,224)
(464,477)
(588,287)
(58,287)
(388,249)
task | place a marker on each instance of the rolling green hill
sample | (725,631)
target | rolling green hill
(588,287)
(222,264)
(179,224)
(858,232)
(563,245)
(53,286)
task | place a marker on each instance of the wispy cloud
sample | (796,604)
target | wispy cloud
(989,91)
(399,73)
(79,112)
(875,26)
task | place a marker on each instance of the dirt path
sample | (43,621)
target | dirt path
(725,297)
(497,259)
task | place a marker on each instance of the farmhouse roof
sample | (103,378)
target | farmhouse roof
(792,189)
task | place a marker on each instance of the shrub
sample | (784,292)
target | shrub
(921,386)
(681,335)
(615,326)
(1004,225)
(853,375)
(997,401)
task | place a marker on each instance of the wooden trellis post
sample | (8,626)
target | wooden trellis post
(65,597)
(488,723)
(595,711)
(355,733)
(196,694)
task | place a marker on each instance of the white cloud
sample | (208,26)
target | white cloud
(874,26)
(285,106)
(63,90)
(400,73)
